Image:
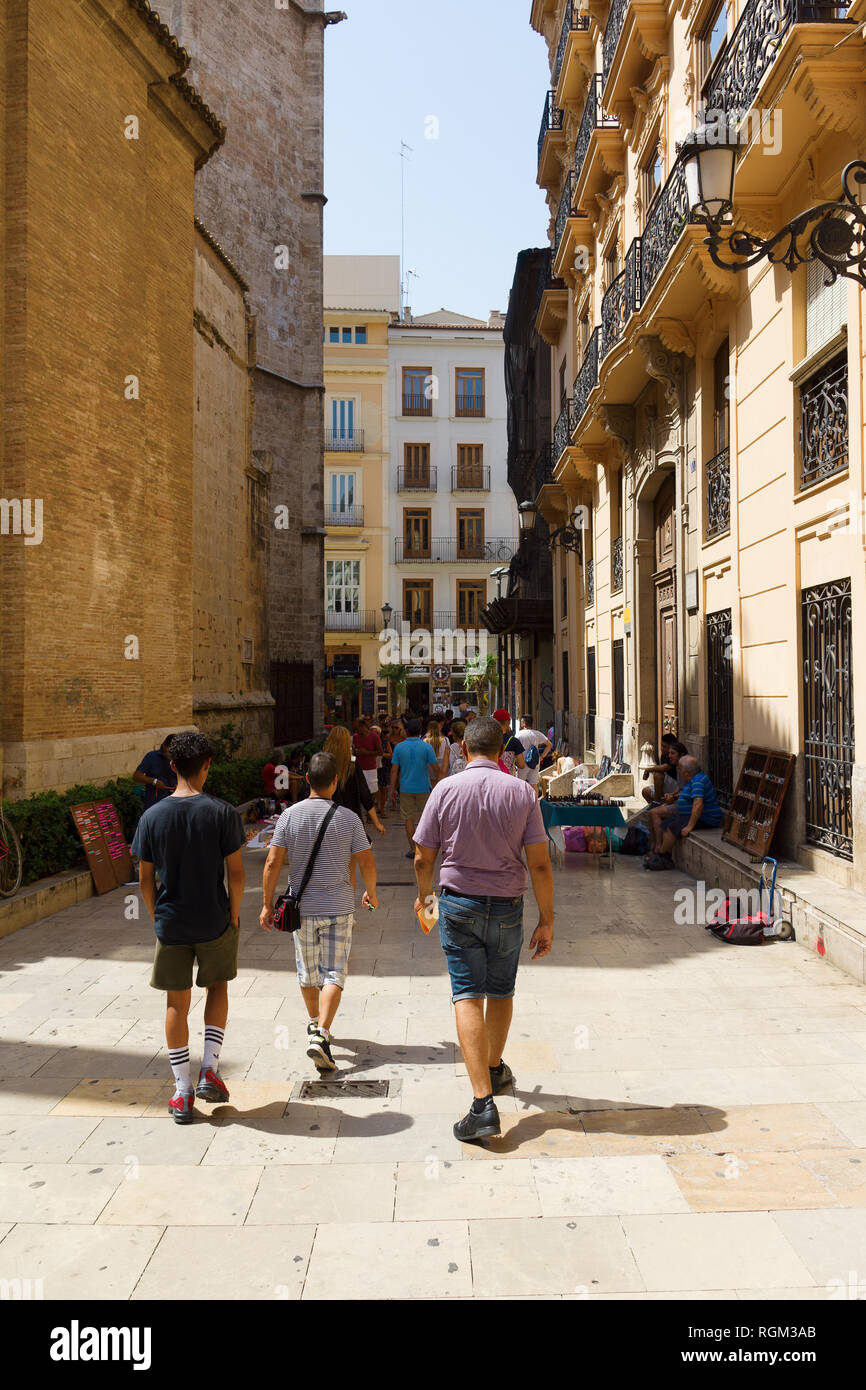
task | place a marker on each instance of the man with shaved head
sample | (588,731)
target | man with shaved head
(697,809)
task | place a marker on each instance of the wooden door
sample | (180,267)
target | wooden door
(667,674)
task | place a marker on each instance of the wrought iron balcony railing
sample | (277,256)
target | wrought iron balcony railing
(447,550)
(612,31)
(417,403)
(666,219)
(344,441)
(344,516)
(430,620)
(593,118)
(589,581)
(551,119)
(469,404)
(544,463)
(564,211)
(469,479)
(752,50)
(413,480)
(616,566)
(363,620)
(824,422)
(562,432)
(718,486)
(571,21)
(621,299)
(586,378)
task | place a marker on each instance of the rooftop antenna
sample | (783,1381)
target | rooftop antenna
(403,286)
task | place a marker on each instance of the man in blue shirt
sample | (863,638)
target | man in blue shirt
(697,809)
(410,762)
(154,771)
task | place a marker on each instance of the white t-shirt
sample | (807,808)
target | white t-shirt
(531,738)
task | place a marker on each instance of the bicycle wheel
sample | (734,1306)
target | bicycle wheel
(11,859)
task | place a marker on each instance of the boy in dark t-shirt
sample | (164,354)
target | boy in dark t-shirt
(189,840)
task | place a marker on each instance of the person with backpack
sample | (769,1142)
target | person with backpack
(185,845)
(535,748)
(511,759)
(321,840)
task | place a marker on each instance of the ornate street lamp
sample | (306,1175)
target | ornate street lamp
(570,536)
(387,615)
(526,516)
(832,233)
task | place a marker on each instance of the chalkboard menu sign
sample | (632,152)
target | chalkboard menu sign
(108,857)
(368,697)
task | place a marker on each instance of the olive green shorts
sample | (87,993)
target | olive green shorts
(217,961)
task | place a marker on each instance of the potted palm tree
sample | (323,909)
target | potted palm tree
(395,675)
(480,674)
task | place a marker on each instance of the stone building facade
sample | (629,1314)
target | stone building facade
(102,135)
(261,64)
(708,422)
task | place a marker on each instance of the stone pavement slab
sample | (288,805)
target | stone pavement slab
(642,1155)
(87,1262)
(228,1262)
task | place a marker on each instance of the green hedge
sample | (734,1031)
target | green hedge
(47,832)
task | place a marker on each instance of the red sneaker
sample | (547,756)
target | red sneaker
(180,1107)
(211,1087)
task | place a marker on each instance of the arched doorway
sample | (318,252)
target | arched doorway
(664,583)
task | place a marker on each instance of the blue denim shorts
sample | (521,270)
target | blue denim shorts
(482,939)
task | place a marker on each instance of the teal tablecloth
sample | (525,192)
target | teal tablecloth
(552,814)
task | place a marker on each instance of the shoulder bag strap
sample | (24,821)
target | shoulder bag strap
(326,820)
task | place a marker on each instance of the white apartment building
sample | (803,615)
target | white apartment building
(419,514)
(453,517)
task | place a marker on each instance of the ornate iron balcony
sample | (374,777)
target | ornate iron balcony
(562,432)
(612,31)
(824,422)
(621,299)
(718,485)
(616,566)
(544,467)
(564,210)
(571,21)
(412,480)
(593,118)
(344,441)
(587,377)
(551,119)
(447,550)
(589,573)
(344,516)
(666,219)
(753,47)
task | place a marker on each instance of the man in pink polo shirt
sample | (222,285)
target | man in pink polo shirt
(484,823)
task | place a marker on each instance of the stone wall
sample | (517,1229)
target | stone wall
(262,199)
(230,530)
(97,388)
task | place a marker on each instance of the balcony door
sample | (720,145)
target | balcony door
(416,465)
(418,603)
(470,535)
(343,419)
(416,532)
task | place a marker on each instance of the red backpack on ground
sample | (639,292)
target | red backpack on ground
(740,931)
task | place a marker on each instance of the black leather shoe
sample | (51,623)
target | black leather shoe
(501,1078)
(483,1126)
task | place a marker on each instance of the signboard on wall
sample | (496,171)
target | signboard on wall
(101,834)
(368,697)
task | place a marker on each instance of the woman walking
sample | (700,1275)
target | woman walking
(352,791)
(441,747)
(456,756)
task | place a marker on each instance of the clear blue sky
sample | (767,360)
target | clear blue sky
(471,198)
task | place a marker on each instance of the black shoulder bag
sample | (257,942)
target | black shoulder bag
(287,909)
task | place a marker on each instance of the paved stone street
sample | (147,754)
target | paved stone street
(688,1118)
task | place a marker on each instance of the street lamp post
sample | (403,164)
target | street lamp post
(832,233)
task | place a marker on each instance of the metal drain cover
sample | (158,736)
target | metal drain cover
(360,1090)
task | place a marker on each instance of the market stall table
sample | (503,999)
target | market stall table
(554,813)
